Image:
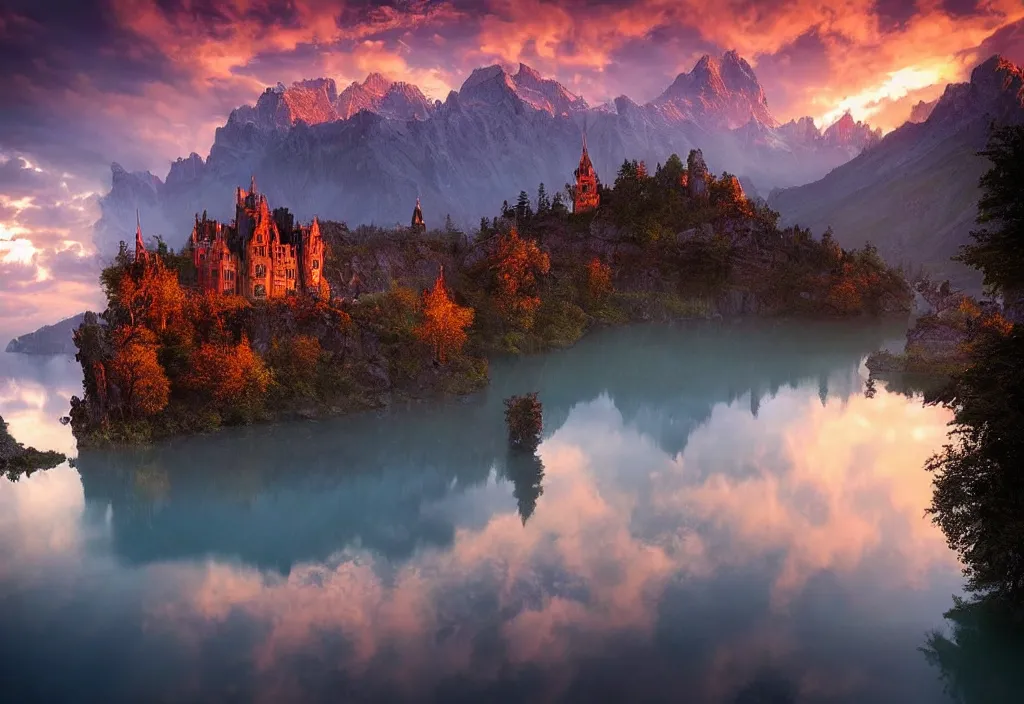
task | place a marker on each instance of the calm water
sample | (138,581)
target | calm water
(718,514)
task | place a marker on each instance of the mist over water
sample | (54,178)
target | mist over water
(716,513)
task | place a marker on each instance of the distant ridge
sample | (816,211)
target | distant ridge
(915,194)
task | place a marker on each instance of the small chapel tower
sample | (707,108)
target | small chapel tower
(418,225)
(586,196)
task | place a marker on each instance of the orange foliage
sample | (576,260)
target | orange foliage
(599,279)
(445,322)
(153,298)
(141,380)
(727,194)
(997,324)
(227,373)
(517,263)
(844,295)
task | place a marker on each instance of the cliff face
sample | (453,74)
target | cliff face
(364,155)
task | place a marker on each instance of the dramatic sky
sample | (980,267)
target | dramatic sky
(140,82)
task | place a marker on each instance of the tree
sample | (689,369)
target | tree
(142,383)
(524,418)
(543,202)
(523,210)
(516,265)
(444,321)
(228,375)
(998,249)
(558,204)
(449,226)
(599,280)
(979,487)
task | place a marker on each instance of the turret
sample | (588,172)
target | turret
(586,196)
(417,218)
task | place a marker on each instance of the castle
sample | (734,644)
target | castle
(261,255)
(586,196)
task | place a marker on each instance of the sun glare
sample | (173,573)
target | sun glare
(898,85)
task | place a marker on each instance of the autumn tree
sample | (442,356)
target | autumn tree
(228,375)
(444,321)
(141,382)
(598,280)
(516,264)
(727,195)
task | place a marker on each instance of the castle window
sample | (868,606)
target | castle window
(316,263)
(291,273)
(260,270)
(259,290)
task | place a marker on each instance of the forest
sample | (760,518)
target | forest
(416,314)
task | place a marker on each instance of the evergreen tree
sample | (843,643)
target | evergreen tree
(998,249)
(543,202)
(484,227)
(558,204)
(506,212)
(523,210)
(449,226)
(979,486)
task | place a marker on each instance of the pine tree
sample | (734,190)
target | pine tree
(558,204)
(523,210)
(543,202)
(449,226)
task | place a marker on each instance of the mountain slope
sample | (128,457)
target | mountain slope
(365,154)
(915,194)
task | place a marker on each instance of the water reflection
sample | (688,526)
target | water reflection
(716,513)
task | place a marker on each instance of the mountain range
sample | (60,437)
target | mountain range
(364,154)
(915,194)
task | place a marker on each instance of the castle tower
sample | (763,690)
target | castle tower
(417,219)
(311,254)
(141,255)
(586,196)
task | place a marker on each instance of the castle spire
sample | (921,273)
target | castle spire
(252,184)
(417,218)
(141,255)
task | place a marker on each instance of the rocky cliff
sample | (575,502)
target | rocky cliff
(365,154)
(915,194)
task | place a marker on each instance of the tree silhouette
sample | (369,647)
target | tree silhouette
(526,472)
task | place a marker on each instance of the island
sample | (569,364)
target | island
(265,318)
(17,460)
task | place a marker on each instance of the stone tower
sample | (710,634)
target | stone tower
(417,219)
(586,196)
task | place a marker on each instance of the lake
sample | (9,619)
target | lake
(717,513)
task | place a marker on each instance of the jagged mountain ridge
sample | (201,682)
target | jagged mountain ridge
(365,154)
(915,194)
